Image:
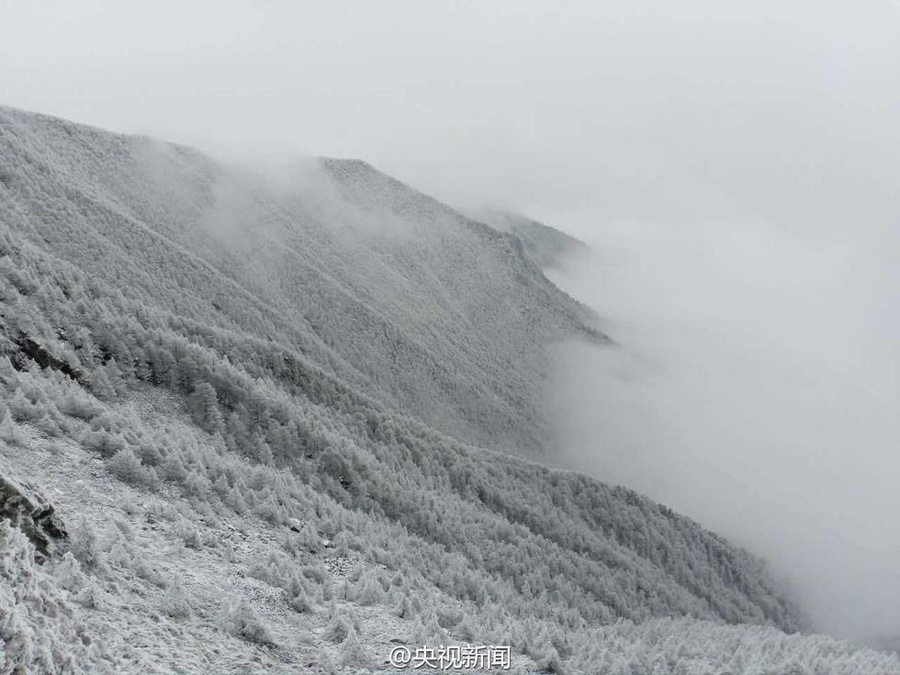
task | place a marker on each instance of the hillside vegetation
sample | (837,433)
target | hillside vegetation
(546,246)
(268,418)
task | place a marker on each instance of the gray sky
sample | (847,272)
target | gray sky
(551,106)
(735,164)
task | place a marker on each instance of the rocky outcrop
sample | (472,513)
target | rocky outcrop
(27,509)
(31,350)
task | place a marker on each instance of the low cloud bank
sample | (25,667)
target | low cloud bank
(755,389)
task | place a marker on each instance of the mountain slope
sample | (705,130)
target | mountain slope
(178,366)
(378,284)
(546,246)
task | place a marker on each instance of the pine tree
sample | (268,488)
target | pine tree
(9,431)
(353,653)
(173,468)
(300,601)
(205,408)
(128,467)
(100,385)
(22,409)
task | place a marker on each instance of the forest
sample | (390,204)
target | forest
(290,420)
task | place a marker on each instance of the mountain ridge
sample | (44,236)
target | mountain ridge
(159,201)
(236,472)
(546,246)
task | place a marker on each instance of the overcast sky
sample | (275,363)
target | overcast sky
(577,105)
(734,163)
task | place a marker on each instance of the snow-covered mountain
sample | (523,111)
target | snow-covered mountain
(254,423)
(546,246)
(380,285)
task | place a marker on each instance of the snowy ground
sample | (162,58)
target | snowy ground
(155,582)
(171,567)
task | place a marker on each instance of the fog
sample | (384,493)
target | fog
(754,388)
(733,166)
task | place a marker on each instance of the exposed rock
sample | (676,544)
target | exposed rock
(27,509)
(34,351)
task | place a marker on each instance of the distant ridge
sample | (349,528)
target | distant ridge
(547,246)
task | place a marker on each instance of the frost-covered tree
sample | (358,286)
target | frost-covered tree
(205,407)
(101,386)
(129,468)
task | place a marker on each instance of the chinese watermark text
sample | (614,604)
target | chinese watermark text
(451,657)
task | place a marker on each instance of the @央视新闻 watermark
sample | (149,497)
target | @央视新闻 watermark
(451,657)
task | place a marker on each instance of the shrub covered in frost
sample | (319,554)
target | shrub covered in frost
(175,602)
(125,465)
(238,618)
(39,628)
